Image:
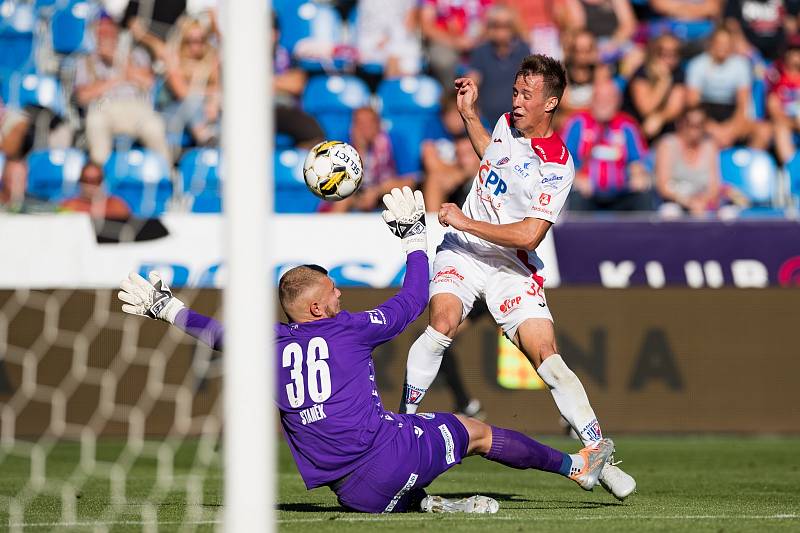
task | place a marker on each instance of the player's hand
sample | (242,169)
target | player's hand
(152,299)
(405,215)
(451,215)
(467,97)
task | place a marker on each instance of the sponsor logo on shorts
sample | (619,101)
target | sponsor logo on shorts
(592,430)
(509,304)
(412,479)
(544,199)
(449,446)
(448,274)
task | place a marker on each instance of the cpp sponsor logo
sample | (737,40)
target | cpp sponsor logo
(509,304)
(491,180)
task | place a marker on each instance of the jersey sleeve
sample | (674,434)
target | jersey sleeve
(550,196)
(389,319)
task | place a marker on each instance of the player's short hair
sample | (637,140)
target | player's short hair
(551,70)
(296,280)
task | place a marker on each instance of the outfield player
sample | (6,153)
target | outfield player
(337,429)
(489,250)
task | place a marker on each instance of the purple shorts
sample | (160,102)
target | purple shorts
(393,480)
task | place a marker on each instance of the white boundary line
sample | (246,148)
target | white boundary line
(423,516)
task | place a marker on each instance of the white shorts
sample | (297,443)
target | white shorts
(512,294)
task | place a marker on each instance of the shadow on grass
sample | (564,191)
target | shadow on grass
(313,508)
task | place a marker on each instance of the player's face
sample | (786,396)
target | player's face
(529,102)
(329,298)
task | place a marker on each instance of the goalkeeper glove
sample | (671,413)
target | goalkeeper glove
(405,215)
(152,298)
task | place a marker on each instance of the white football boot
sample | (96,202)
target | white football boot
(595,457)
(474,504)
(616,481)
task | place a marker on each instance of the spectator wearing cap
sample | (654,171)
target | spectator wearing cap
(783,100)
(687,167)
(609,152)
(451,28)
(113,84)
(494,64)
(93,199)
(14,196)
(721,80)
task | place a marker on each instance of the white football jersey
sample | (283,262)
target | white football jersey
(518,178)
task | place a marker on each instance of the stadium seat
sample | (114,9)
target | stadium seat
(68,28)
(408,104)
(16,36)
(754,173)
(332,99)
(793,171)
(53,174)
(200,178)
(141,178)
(294,20)
(291,194)
(21,90)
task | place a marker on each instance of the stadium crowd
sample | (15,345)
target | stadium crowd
(681,107)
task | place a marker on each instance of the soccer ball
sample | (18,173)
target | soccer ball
(333,170)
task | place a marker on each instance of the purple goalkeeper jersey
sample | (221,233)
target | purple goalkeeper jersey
(330,408)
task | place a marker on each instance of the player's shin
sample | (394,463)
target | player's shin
(570,397)
(424,360)
(515,450)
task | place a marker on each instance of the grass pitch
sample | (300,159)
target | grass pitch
(685,484)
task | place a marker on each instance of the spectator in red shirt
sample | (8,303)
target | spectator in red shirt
(93,199)
(452,28)
(783,101)
(608,149)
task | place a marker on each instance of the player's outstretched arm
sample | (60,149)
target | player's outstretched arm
(154,299)
(467,103)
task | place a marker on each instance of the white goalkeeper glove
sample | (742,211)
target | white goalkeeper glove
(405,215)
(152,299)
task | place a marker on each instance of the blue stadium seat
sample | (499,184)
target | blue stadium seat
(141,178)
(68,28)
(793,170)
(294,20)
(291,194)
(20,90)
(332,99)
(754,174)
(16,36)
(200,176)
(53,174)
(408,104)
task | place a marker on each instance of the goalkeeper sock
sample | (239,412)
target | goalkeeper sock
(516,450)
(571,399)
(424,360)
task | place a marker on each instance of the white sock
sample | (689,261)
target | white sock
(571,399)
(424,360)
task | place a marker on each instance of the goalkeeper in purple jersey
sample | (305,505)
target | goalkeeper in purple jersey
(338,431)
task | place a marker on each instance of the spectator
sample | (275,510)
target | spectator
(14,126)
(114,83)
(380,172)
(452,186)
(613,24)
(721,81)
(783,101)
(760,27)
(289,81)
(439,143)
(691,20)
(494,63)
(14,197)
(609,152)
(542,23)
(193,87)
(93,199)
(386,36)
(687,167)
(153,20)
(656,94)
(583,69)
(452,28)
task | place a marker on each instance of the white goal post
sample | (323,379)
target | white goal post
(249,426)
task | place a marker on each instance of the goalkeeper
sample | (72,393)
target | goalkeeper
(336,426)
